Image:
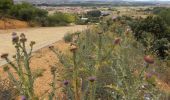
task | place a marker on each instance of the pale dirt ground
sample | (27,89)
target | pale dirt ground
(43,36)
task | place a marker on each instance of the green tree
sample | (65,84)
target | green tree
(94,13)
(28,12)
(155,27)
(5,5)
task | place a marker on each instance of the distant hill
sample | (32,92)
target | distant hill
(118,2)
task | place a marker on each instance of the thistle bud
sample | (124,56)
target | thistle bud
(15,38)
(32,43)
(148,59)
(127,31)
(14,56)
(148,75)
(22,35)
(117,41)
(23,98)
(100,33)
(92,78)
(73,48)
(23,38)
(51,47)
(14,34)
(66,82)
(4,56)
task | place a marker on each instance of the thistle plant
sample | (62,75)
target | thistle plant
(52,95)
(112,61)
(24,78)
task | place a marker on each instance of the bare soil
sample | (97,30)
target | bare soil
(12,24)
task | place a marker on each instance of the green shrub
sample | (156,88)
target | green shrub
(68,37)
(94,13)
(5,6)
(163,12)
(59,18)
(27,12)
(152,27)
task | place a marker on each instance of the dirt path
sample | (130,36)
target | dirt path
(43,36)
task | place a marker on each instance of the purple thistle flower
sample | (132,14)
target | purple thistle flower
(92,78)
(14,34)
(66,82)
(23,98)
(148,75)
(148,59)
(117,41)
(15,38)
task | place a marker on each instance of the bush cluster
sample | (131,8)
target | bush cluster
(154,34)
(33,15)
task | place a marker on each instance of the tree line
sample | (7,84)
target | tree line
(33,15)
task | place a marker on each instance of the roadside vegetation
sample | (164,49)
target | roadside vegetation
(34,16)
(118,59)
(105,62)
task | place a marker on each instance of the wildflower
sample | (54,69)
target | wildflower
(51,47)
(147,96)
(100,33)
(127,31)
(117,40)
(22,35)
(148,59)
(73,48)
(14,34)
(66,82)
(32,43)
(14,56)
(23,38)
(15,38)
(92,78)
(148,75)
(23,98)
(4,56)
